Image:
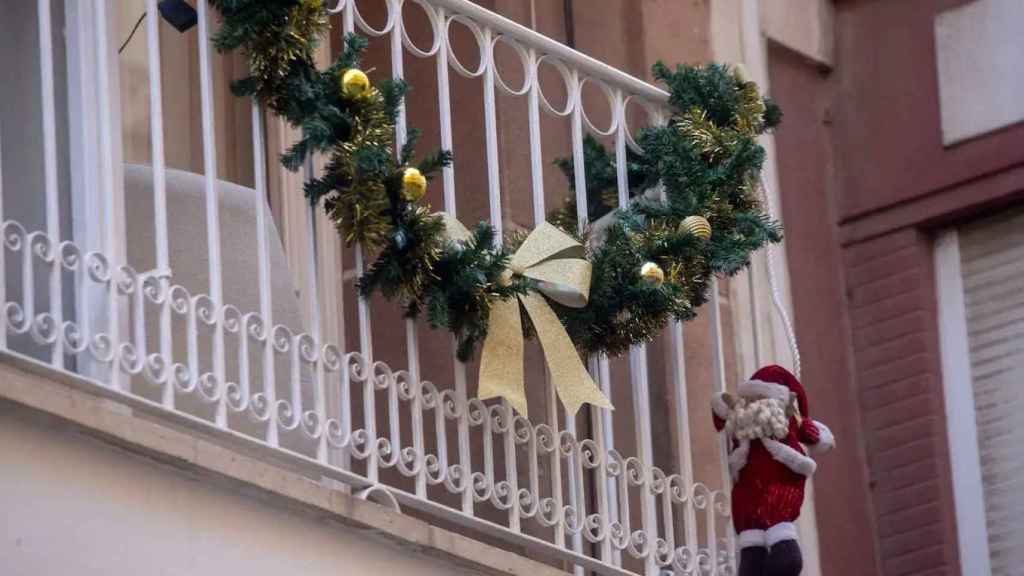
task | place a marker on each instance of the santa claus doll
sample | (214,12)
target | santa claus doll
(767,428)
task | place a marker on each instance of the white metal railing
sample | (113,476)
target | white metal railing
(344,414)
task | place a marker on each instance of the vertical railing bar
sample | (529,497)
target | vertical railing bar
(394,420)
(28,280)
(86,213)
(416,408)
(622,181)
(411,339)
(623,499)
(3,251)
(244,370)
(192,343)
(348,21)
(580,186)
(621,167)
(536,152)
(608,443)
(444,108)
(138,317)
(755,324)
(491,136)
(363,309)
(465,452)
(638,371)
(539,216)
(312,294)
(212,208)
(598,365)
(684,453)
(494,197)
(398,71)
(668,518)
(263,273)
(369,390)
(642,424)
(295,377)
(111,217)
(448,179)
(156,129)
(345,381)
(50,174)
(718,366)
(711,533)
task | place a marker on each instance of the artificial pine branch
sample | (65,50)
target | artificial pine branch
(705,162)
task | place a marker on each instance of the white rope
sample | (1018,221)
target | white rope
(773,284)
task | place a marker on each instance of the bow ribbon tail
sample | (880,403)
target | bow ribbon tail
(501,360)
(573,383)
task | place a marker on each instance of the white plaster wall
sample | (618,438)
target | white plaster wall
(804,26)
(73,505)
(979,50)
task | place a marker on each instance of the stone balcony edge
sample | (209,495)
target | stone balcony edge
(73,400)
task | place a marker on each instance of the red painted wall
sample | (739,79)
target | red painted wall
(887,132)
(865,181)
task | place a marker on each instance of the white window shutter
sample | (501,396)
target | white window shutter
(992,267)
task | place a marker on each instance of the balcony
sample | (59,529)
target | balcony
(154,249)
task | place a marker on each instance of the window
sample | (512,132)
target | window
(980,273)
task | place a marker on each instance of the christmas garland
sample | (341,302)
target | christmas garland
(654,261)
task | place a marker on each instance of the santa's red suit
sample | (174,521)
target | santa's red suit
(769,473)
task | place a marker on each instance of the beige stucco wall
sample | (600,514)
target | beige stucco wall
(79,506)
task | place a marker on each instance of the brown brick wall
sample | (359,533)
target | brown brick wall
(891,298)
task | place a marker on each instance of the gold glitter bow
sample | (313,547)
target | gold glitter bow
(555,260)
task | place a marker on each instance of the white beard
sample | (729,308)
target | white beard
(757,419)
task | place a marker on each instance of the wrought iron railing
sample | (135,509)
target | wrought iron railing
(73,300)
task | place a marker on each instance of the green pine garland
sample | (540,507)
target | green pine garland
(706,160)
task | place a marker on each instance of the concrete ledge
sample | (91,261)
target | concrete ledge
(803,26)
(62,399)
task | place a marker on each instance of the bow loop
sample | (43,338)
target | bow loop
(556,261)
(547,241)
(565,280)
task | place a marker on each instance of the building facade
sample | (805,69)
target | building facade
(190,383)
(900,170)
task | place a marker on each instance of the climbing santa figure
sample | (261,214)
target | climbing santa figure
(767,428)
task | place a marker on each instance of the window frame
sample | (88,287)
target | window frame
(961,424)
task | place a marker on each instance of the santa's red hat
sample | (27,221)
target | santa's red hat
(775,382)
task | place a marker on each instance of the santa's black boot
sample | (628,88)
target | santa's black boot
(784,559)
(752,561)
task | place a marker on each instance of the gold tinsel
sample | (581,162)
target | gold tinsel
(750,113)
(714,142)
(271,53)
(360,210)
(423,254)
(676,273)
(357,214)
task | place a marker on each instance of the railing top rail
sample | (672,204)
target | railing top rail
(533,39)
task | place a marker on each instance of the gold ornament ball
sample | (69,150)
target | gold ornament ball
(698,226)
(741,72)
(652,273)
(414,185)
(354,83)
